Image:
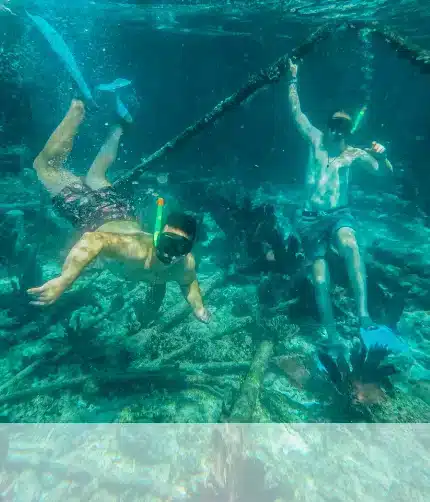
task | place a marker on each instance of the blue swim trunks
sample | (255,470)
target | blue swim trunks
(316,229)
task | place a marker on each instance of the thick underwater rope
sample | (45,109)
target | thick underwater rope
(405,49)
(267,76)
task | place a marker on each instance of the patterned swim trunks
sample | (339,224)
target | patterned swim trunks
(89,209)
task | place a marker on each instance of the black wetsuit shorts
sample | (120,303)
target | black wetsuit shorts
(89,209)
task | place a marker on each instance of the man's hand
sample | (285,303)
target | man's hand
(203,315)
(377,150)
(49,292)
(293,69)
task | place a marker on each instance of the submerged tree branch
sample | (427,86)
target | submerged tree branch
(244,406)
(150,371)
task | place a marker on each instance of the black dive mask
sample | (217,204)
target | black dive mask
(171,246)
(340,127)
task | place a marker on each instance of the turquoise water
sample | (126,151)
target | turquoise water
(99,354)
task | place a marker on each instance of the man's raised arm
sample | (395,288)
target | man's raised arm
(307,130)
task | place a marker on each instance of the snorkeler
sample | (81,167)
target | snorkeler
(325,218)
(111,232)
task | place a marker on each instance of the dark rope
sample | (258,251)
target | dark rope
(404,49)
(271,74)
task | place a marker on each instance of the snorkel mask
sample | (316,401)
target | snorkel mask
(340,125)
(171,247)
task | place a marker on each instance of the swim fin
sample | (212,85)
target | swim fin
(120,107)
(119,83)
(59,46)
(383,336)
(122,110)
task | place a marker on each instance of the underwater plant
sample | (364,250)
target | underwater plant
(363,380)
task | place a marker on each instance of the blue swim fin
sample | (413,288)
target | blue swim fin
(118,83)
(120,107)
(122,110)
(59,46)
(383,336)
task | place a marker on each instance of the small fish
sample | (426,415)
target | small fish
(368,393)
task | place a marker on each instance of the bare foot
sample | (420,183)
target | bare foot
(48,293)
(77,108)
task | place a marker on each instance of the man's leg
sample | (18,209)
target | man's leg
(321,281)
(96,176)
(348,248)
(49,164)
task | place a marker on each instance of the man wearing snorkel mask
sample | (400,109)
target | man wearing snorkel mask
(325,219)
(110,229)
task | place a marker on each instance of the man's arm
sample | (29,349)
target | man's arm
(191,290)
(193,294)
(374,159)
(307,130)
(81,255)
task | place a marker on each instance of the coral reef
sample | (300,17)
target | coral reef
(100,355)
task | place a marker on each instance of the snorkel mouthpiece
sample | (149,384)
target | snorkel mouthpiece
(164,258)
